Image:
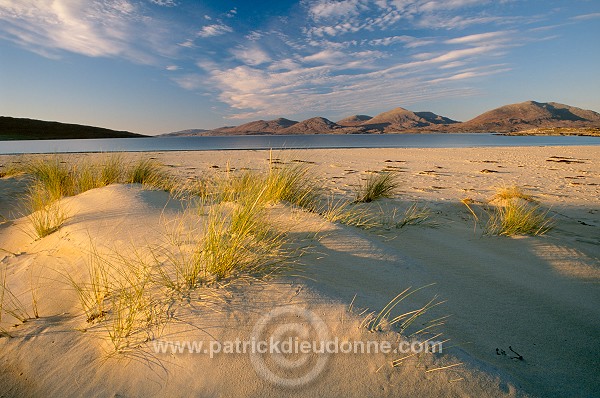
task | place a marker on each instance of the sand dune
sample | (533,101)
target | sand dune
(537,295)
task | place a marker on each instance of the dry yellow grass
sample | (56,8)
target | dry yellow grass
(378,185)
(518,217)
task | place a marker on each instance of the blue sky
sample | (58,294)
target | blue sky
(155,66)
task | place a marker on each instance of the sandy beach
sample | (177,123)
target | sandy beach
(517,315)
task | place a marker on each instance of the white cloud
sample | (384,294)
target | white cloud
(333,68)
(337,59)
(419,43)
(251,56)
(489,36)
(349,54)
(387,41)
(190,81)
(214,30)
(462,53)
(322,80)
(422,56)
(164,3)
(546,27)
(333,30)
(335,18)
(324,9)
(438,21)
(284,65)
(453,64)
(430,6)
(586,16)
(61,25)
(473,73)
(106,28)
(326,57)
(187,43)
(254,35)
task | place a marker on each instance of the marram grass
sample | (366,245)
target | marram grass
(518,217)
(127,296)
(349,213)
(512,192)
(287,183)
(240,240)
(10,304)
(111,170)
(415,214)
(53,176)
(52,179)
(146,172)
(46,213)
(376,186)
(293,184)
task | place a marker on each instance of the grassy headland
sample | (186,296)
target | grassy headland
(30,129)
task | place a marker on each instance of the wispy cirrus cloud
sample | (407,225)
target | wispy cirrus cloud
(325,9)
(100,28)
(352,56)
(251,55)
(335,55)
(329,80)
(480,37)
(437,5)
(334,18)
(214,30)
(164,3)
(584,17)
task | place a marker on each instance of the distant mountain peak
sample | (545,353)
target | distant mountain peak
(313,125)
(353,120)
(399,119)
(512,117)
(285,122)
(531,114)
(435,119)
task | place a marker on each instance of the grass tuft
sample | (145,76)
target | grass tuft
(375,322)
(3,332)
(47,214)
(53,176)
(10,303)
(137,310)
(119,296)
(145,172)
(93,293)
(379,185)
(293,184)
(111,171)
(240,240)
(415,215)
(285,183)
(512,192)
(349,213)
(11,169)
(518,217)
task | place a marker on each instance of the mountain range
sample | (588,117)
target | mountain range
(509,118)
(526,117)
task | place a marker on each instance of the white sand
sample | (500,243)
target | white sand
(539,295)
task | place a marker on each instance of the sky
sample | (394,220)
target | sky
(157,66)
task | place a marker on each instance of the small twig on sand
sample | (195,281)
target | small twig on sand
(519,356)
